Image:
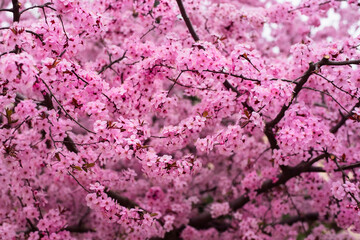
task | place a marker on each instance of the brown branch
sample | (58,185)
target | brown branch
(196,38)
(147,32)
(39,6)
(16,10)
(79,229)
(313,68)
(5,10)
(36,35)
(296,91)
(103,69)
(295,207)
(80,78)
(344,177)
(187,20)
(307,6)
(327,94)
(346,167)
(204,219)
(269,125)
(123,201)
(301,218)
(47,101)
(234,75)
(33,228)
(229,86)
(63,27)
(341,63)
(335,86)
(82,186)
(66,113)
(4,53)
(343,119)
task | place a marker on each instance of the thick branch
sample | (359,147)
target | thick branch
(313,67)
(269,125)
(226,83)
(204,219)
(79,229)
(123,201)
(341,63)
(302,218)
(16,10)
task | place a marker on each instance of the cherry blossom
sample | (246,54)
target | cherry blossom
(181,119)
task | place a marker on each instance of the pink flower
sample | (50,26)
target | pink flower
(97,187)
(219,209)
(338,190)
(356,111)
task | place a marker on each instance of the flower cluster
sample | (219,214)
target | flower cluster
(179,119)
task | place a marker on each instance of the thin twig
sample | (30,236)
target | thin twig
(5,10)
(112,63)
(344,118)
(39,6)
(78,182)
(80,125)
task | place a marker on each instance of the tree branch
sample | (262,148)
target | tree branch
(313,67)
(269,125)
(5,10)
(187,20)
(346,167)
(112,63)
(82,186)
(66,113)
(79,229)
(343,119)
(123,201)
(302,218)
(16,10)
(39,6)
(204,219)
